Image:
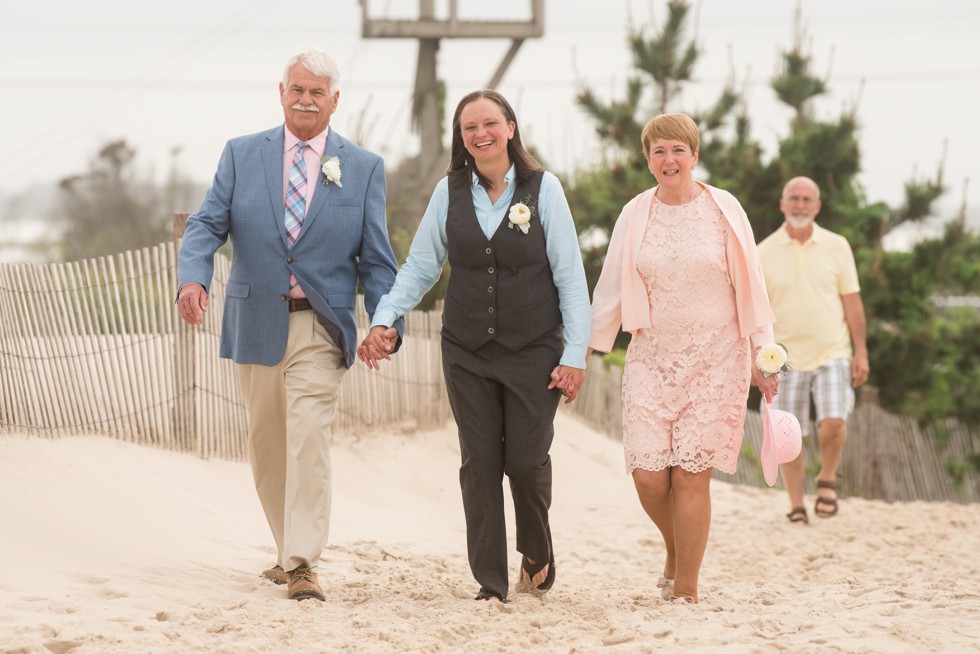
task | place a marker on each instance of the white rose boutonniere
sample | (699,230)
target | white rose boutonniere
(520,215)
(772,358)
(331,170)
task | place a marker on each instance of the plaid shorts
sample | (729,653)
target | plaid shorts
(829,385)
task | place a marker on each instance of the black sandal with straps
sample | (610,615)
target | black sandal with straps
(825,501)
(798,514)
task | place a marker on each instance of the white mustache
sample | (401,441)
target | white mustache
(311,108)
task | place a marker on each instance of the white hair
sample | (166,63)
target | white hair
(813,185)
(317,62)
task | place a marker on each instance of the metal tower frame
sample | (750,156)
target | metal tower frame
(429,30)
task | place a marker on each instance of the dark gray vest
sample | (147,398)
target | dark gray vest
(499,289)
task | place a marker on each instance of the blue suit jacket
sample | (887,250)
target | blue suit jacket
(344,240)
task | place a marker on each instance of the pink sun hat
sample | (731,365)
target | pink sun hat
(782,440)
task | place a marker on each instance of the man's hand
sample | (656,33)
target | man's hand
(859,369)
(192,302)
(377,345)
(569,380)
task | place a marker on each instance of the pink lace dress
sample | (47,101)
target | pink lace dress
(687,377)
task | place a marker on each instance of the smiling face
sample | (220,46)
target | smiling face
(672,163)
(485,133)
(306,102)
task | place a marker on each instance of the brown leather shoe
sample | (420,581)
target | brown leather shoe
(276,575)
(303,585)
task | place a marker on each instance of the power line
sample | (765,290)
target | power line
(899,77)
(119,94)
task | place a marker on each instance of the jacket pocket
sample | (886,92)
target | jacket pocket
(343,202)
(341,300)
(237,289)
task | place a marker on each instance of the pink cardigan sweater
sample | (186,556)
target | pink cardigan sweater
(620,297)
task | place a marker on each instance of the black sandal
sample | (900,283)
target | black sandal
(798,514)
(549,580)
(485,595)
(826,501)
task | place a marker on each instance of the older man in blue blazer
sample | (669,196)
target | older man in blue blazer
(305,211)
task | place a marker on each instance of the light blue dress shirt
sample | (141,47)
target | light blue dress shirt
(430,247)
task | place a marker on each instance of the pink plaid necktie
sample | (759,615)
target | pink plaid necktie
(296,199)
(296,194)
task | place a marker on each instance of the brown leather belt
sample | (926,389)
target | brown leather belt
(299,304)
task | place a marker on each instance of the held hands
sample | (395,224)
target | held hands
(568,379)
(378,344)
(192,302)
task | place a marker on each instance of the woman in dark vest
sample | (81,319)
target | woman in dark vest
(515,330)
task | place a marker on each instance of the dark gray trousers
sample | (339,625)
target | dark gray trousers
(505,416)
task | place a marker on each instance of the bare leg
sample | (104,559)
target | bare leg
(653,489)
(832,433)
(794,474)
(692,519)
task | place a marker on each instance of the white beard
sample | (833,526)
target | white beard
(799,223)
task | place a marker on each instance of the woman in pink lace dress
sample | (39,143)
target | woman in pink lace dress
(683,277)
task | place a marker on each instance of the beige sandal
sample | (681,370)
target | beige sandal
(681,600)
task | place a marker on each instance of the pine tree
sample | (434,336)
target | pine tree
(925,361)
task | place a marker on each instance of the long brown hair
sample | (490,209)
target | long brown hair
(460,160)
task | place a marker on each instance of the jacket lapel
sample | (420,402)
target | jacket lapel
(272,162)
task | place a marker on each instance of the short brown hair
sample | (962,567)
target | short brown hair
(671,127)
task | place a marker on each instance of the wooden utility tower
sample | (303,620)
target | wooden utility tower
(428,31)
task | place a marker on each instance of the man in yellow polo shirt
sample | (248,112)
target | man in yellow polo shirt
(813,287)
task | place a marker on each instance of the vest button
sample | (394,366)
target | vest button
(490,290)
(489,251)
(491,309)
(490,330)
(490,270)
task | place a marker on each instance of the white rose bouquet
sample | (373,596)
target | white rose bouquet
(772,358)
(331,170)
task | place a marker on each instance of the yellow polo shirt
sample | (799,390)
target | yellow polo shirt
(805,282)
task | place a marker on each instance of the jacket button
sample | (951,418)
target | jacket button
(490,330)
(490,270)
(282,297)
(289,259)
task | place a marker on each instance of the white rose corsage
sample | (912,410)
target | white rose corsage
(331,170)
(520,215)
(772,358)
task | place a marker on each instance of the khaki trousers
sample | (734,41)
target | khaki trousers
(291,407)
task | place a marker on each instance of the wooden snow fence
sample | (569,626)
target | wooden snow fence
(97,347)
(886,457)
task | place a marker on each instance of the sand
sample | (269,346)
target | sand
(107,546)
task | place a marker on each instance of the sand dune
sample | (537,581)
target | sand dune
(111,547)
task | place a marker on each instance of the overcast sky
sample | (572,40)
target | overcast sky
(190,74)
